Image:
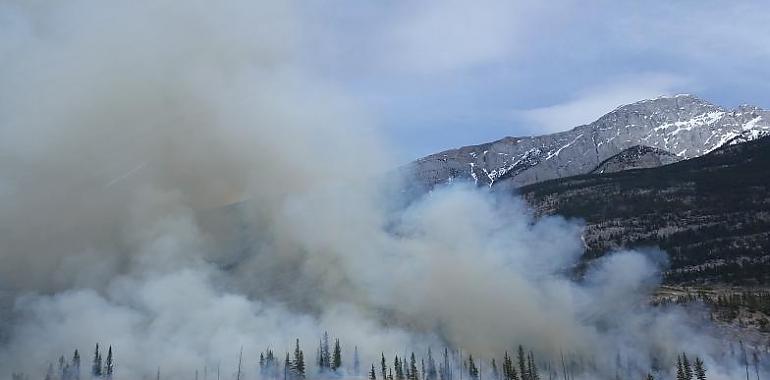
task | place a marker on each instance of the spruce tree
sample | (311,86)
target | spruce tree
(325,354)
(431,374)
(532,367)
(700,369)
(286,368)
(384,367)
(473,372)
(76,365)
(96,368)
(688,375)
(337,357)
(399,370)
(413,374)
(299,361)
(356,362)
(495,373)
(679,368)
(372,374)
(109,365)
(522,364)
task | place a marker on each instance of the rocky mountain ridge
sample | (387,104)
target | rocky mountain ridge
(684,126)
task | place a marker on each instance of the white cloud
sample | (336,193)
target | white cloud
(446,35)
(592,102)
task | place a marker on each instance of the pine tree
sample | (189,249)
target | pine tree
(495,373)
(431,374)
(523,364)
(413,375)
(286,367)
(399,370)
(384,367)
(337,357)
(76,365)
(325,357)
(700,369)
(299,362)
(473,372)
(446,369)
(688,375)
(96,368)
(356,362)
(372,374)
(679,369)
(508,370)
(532,370)
(109,366)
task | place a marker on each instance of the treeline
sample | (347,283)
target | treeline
(520,364)
(71,370)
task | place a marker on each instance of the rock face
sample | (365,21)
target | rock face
(636,157)
(711,214)
(683,125)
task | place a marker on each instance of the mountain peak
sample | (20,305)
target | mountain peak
(681,125)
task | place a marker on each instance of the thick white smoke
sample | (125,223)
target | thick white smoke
(126,130)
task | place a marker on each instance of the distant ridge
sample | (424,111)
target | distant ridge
(682,126)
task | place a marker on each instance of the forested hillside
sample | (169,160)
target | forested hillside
(711,213)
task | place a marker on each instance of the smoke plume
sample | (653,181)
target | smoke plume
(177,182)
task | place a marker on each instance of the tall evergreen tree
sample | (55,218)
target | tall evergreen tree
(398,369)
(431,373)
(700,369)
(473,371)
(286,367)
(76,365)
(446,366)
(523,364)
(96,368)
(299,361)
(679,368)
(509,370)
(356,361)
(413,374)
(109,365)
(325,359)
(372,374)
(532,370)
(384,367)
(688,375)
(337,357)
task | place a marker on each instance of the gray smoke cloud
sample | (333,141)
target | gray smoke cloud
(177,183)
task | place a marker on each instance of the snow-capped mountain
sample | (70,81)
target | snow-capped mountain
(683,125)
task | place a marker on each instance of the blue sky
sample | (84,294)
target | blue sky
(440,74)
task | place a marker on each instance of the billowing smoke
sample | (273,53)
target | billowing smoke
(177,183)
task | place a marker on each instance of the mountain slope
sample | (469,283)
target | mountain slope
(711,213)
(636,157)
(682,125)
